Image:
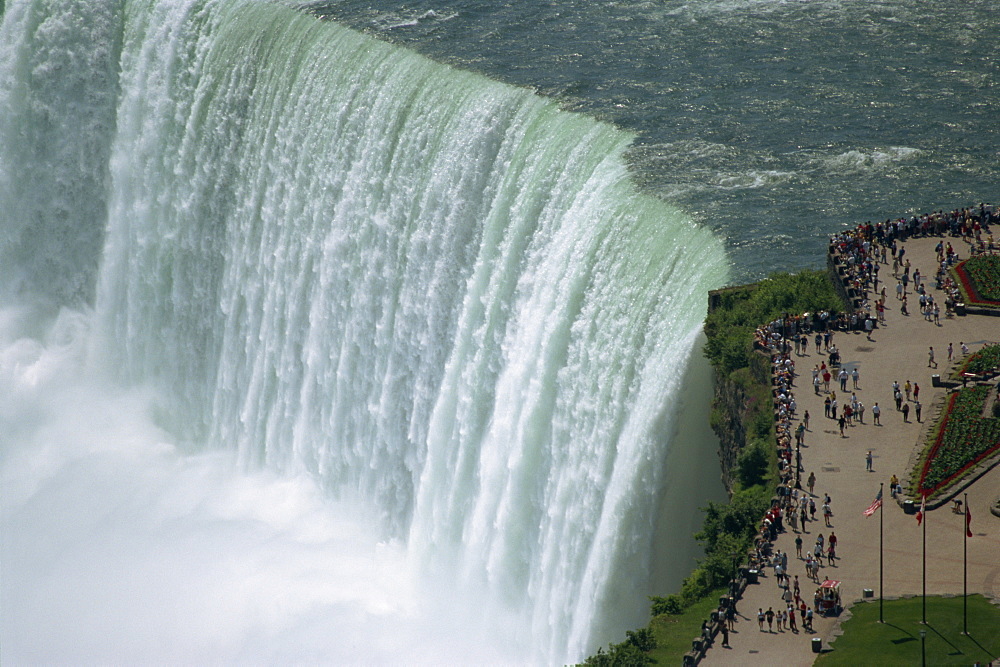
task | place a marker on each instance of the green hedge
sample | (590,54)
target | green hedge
(740,310)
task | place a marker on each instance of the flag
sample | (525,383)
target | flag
(920,514)
(875,504)
(968,522)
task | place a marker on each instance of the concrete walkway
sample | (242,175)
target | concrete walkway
(900,353)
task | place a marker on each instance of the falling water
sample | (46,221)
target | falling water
(321,287)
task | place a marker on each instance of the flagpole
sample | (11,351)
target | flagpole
(923,520)
(965,569)
(881,522)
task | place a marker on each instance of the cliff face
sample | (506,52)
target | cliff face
(741,405)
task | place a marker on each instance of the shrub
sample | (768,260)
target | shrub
(753,464)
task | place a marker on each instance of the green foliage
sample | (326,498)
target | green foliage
(633,651)
(739,518)
(753,465)
(671,604)
(730,326)
(641,639)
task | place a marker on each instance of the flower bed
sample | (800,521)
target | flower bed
(961,440)
(980,280)
(983,361)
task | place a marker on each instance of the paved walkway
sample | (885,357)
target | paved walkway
(900,353)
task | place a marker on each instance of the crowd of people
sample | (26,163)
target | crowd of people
(865,253)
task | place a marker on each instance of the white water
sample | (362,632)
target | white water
(381,362)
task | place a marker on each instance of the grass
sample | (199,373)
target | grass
(674,633)
(897,641)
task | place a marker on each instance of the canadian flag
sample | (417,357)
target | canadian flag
(920,514)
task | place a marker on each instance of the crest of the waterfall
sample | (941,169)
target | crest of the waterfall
(440,296)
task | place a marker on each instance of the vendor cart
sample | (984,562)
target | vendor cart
(828,598)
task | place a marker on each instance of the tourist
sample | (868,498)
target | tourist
(930,358)
(876,412)
(868,461)
(916,391)
(798,548)
(791,619)
(908,388)
(855,376)
(811,482)
(916,407)
(906,412)
(827,513)
(760,618)
(769,615)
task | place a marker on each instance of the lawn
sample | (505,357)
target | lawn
(674,633)
(897,641)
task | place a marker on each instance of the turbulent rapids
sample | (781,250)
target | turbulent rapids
(437,297)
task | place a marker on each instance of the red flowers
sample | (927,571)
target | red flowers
(963,439)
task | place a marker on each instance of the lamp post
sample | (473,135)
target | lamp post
(923,652)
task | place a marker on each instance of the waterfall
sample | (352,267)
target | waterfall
(439,297)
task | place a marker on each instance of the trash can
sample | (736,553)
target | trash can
(752,576)
(817,645)
(935,380)
(960,309)
(909,507)
(867,592)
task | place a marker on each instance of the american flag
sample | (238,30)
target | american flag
(875,504)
